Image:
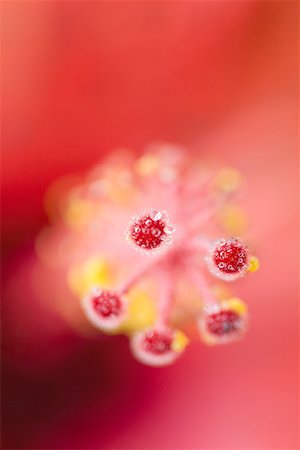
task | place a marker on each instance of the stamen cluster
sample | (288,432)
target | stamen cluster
(179,248)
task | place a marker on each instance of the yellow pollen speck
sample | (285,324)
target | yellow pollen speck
(141,312)
(180,341)
(56,194)
(147,165)
(236,305)
(93,272)
(253,265)
(78,213)
(118,187)
(233,219)
(228,180)
(122,195)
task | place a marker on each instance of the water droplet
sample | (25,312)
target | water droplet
(156,232)
(158,216)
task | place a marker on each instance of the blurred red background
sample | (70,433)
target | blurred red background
(82,78)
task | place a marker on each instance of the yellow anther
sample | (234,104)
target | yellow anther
(228,180)
(120,194)
(56,194)
(141,312)
(93,272)
(180,341)
(236,305)
(233,219)
(118,186)
(253,265)
(147,165)
(78,213)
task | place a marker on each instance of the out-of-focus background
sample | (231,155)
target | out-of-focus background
(82,78)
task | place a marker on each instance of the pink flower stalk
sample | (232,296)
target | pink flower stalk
(179,218)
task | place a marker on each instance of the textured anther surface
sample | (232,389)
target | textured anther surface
(230,256)
(107,304)
(157,342)
(148,232)
(223,323)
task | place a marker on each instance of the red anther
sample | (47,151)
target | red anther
(229,259)
(157,342)
(150,231)
(154,347)
(105,309)
(107,304)
(223,323)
